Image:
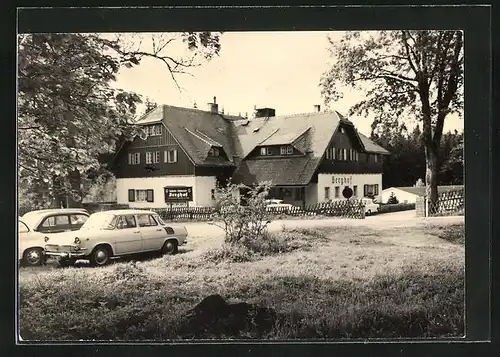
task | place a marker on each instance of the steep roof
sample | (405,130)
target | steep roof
(310,133)
(197,131)
(420,191)
(280,171)
(284,129)
(371,147)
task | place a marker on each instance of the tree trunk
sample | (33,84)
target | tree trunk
(76,182)
(431,160)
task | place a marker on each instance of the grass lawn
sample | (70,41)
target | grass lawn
(338,282)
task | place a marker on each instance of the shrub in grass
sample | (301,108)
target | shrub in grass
(235,253)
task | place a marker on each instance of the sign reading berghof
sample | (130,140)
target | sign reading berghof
(178,193)
(341,180)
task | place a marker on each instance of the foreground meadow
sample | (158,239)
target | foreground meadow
(332,282)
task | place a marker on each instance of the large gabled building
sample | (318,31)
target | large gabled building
(309,158)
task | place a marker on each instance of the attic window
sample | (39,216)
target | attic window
(342,131)
(154,130)
(286,150)
(214,152)
(265,151)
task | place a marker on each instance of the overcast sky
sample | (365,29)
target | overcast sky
(280,70)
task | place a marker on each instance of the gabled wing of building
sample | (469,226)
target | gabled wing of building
(197,131)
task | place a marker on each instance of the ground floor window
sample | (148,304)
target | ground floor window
(140,195)
(371,190)
(355,191)
(337,191)
(327,193)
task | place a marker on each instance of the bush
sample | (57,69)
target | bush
(266,244)
(242,223)
(392,199)
(386,208)
(233,253)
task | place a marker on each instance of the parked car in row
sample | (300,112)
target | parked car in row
(275,204)
(370,205)
(34,226)
(115,233)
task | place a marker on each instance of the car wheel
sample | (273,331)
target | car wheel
(33,257)
(369,212)
(66,262)
(100,256)
(170,247)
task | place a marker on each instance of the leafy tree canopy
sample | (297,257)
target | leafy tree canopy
(69,113)
(405,75)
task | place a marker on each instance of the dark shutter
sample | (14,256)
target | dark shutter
(149,196)
(131,195)
(365,190)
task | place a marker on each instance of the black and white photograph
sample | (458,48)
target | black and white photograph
(241,185)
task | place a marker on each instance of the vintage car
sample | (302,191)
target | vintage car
(370,205)
(34,226)
(277,205)
(115,233)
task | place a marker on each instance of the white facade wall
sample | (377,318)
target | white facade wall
(401,195)
(347,179)
(202,190)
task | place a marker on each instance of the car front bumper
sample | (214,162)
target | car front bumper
(66,254)
(65,251)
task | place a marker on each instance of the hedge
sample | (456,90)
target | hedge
(386,208)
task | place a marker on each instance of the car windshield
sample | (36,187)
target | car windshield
(100,220)
(160,220)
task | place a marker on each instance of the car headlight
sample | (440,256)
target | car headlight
(46,239)
(77,240)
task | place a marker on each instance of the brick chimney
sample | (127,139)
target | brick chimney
(213,107)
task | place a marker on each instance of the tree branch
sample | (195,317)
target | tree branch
(408,54)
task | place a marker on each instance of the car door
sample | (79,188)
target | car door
(128,238)
(153,234)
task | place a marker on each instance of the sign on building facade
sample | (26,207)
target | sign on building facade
(178,194)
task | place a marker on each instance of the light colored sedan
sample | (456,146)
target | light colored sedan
(370,206)
(274,204)
(34,226)
(116,233)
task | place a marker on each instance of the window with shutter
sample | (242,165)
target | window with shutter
(130,159)
(171,156)
(149,158)
(156,157)
(150,195)
(131,195)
